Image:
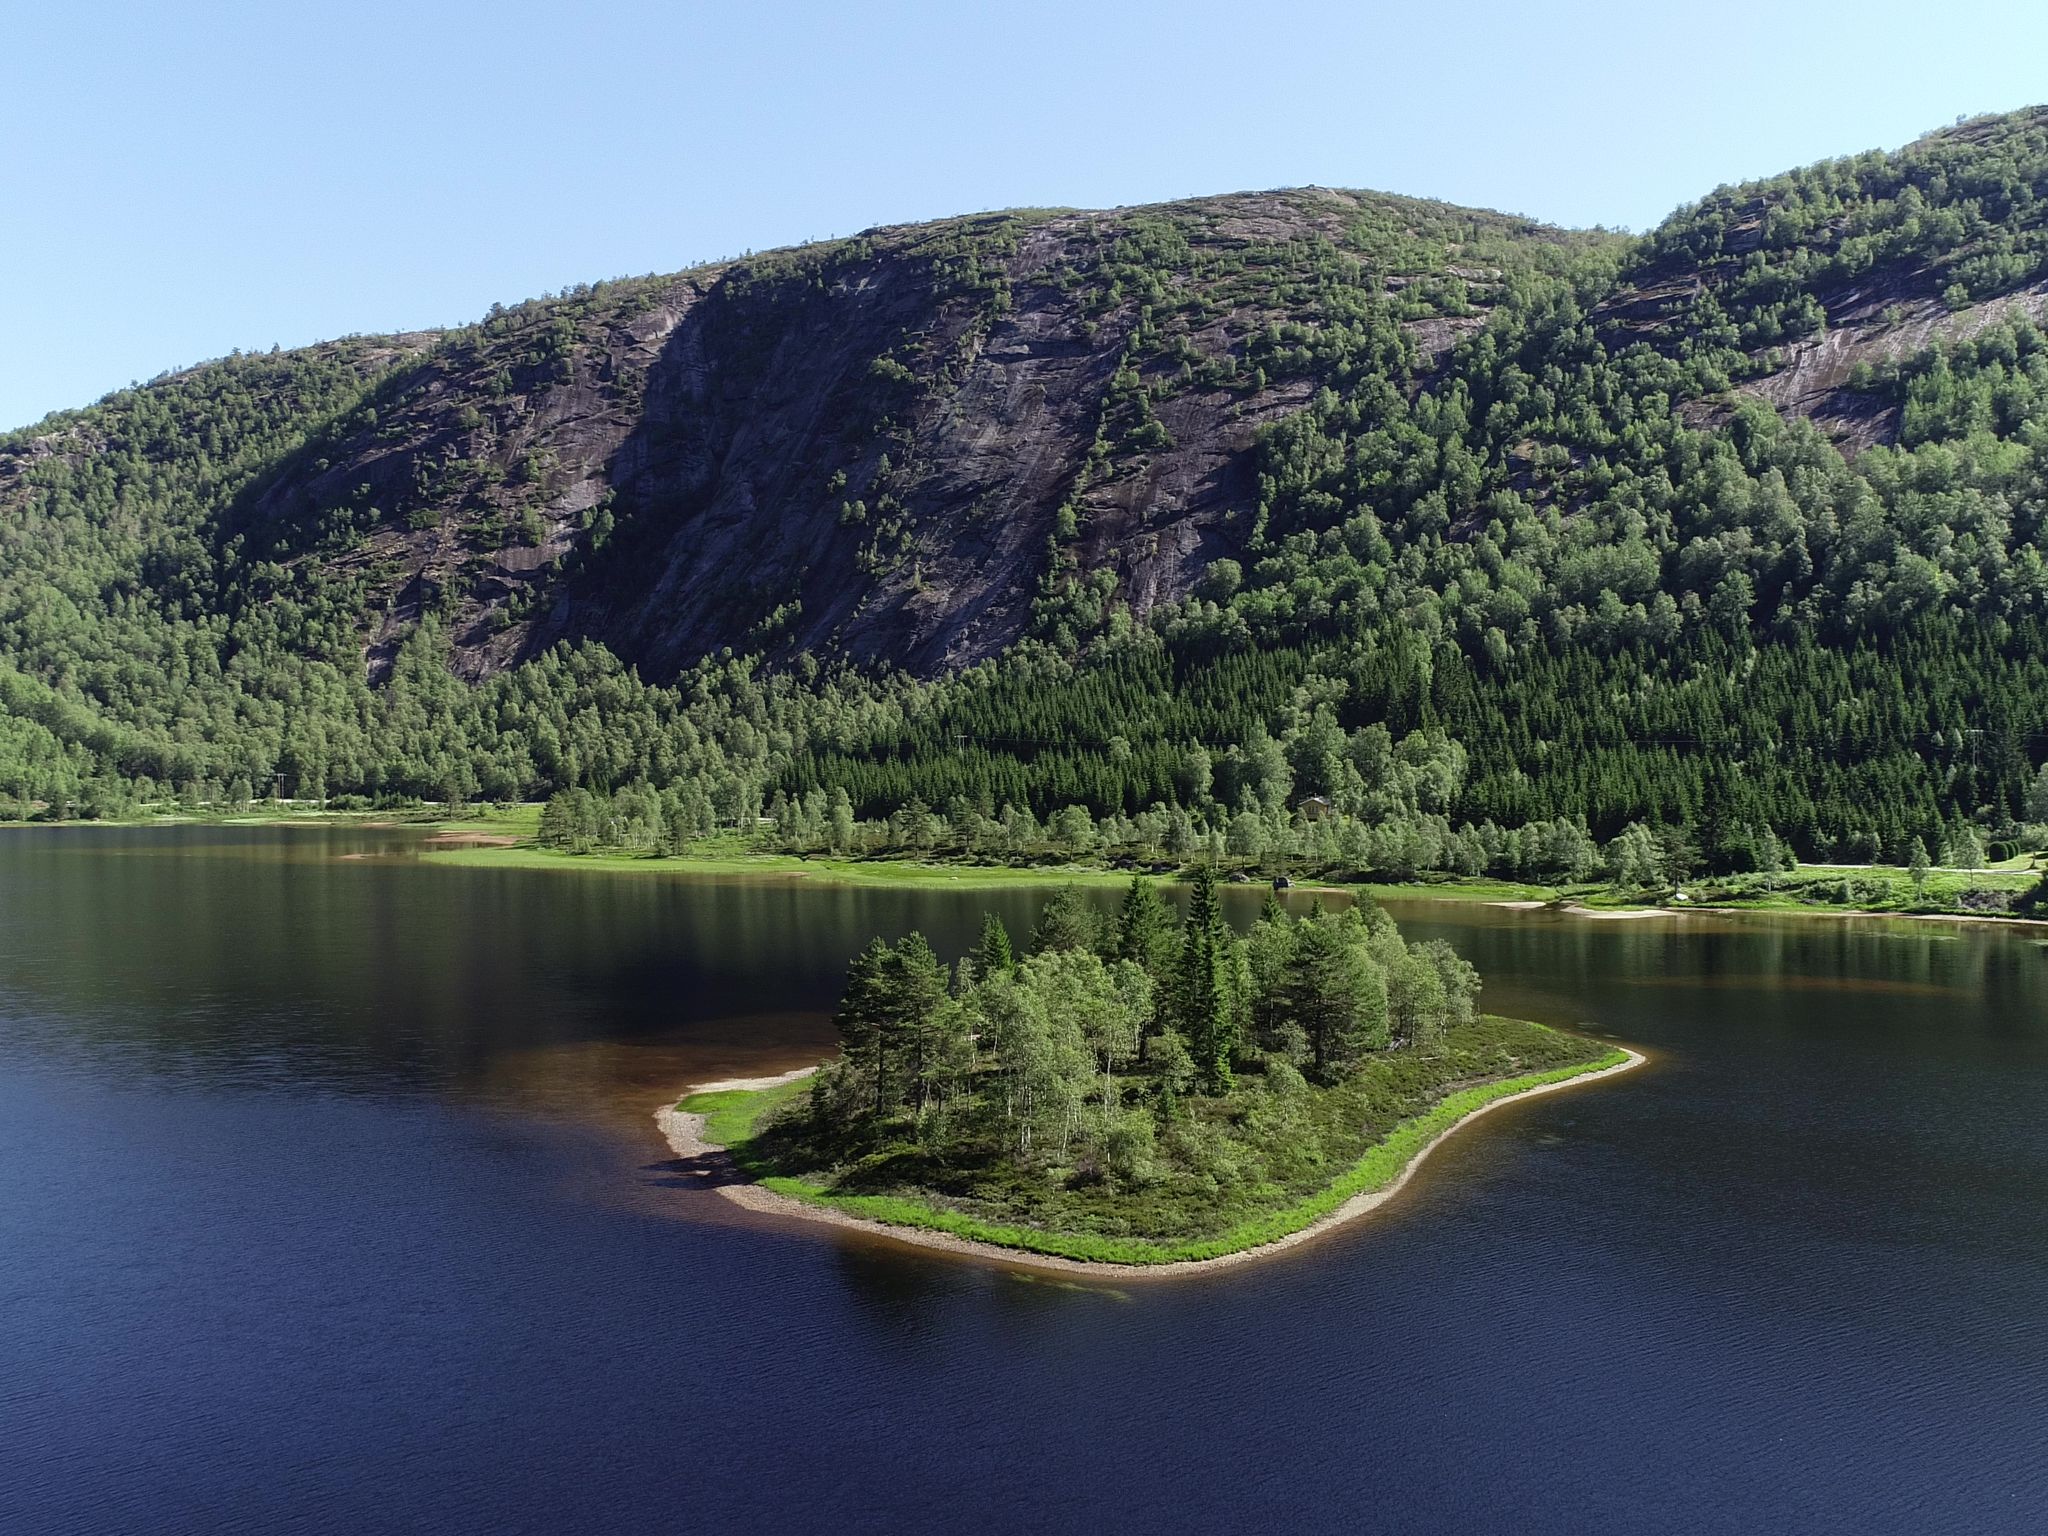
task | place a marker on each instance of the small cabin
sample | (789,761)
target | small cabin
(1314,808)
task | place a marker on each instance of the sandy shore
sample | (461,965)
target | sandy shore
(1600,914)
(685,1134)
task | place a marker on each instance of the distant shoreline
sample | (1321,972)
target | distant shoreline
(503,840)
(905,874)
(685,1133)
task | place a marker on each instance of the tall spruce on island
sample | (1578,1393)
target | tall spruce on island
(993,956)
(1208,995)
(1146,931)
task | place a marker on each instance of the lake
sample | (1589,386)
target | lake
(331,1200)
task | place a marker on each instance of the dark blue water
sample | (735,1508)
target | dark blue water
(329,1200)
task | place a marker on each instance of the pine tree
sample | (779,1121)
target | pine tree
(1335,992)
(921,1015)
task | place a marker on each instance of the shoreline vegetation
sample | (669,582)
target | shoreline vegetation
(505,837)
(1151,1091)
(1995,893)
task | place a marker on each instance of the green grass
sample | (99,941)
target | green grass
(506,821)
(729,856)
(733,1116)
(730,1114)
(816,870)
(510,821)
(1883,889)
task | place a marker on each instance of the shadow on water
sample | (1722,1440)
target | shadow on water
(700,1171)
(899,1284)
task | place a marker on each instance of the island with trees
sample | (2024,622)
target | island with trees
(1150,1089)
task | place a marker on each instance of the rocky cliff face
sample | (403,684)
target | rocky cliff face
(1882,255)
(1887,315)
(875,449)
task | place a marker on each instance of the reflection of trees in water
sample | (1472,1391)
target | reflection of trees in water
(1961,980)
(189,949)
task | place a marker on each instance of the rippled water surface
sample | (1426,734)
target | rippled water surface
(330,1200)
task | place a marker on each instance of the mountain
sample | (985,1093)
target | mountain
(855,449)
(1038,505)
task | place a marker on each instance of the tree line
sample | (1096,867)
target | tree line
(1107,1037)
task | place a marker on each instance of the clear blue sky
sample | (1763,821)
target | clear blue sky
(186,179)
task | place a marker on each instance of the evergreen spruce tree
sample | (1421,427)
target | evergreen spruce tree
(1145,927)
(1328,987)
(919,1015)
(863,1024)
(1067,922)
(993,955)
(1206,985)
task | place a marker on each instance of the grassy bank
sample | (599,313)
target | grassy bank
(1456,888)
(1885,890)
(730,856)
(785,866)
(746,1121)
(1810,890)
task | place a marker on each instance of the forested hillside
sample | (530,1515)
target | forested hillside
(1378,531)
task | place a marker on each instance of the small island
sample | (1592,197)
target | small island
(1146,1091)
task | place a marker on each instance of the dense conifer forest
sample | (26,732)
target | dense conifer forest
(1706,549)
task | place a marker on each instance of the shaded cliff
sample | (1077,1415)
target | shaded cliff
(878,448)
